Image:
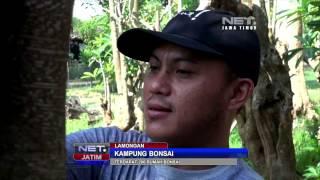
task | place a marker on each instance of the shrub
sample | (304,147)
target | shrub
(306,146)
(313,172)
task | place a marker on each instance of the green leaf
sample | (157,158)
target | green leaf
(314,24)
(317,68)
(310,52)
(290,54)
(287,14)
(96,72)
(91,61)
(312,170)
(301,39)
(87,75)
(314,13)
(310,148)
(315,3)
(282,12)
(299,60)
(314,36)
(294,20)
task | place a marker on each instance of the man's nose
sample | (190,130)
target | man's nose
(161,84)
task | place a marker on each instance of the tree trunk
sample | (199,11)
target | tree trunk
(33,132)
(204,4)
(180,5)
(267,116)
(135,85)
(157,23)
(265,123)
(127,115)
(119,62)
(106,100)
(115,52)
(132,116)
(301,103)
(129,99)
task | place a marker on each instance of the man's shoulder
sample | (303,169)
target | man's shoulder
(106,135)
(99,135)
(241,171)
(246,172)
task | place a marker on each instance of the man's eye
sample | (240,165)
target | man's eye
(153,68)
(181,71)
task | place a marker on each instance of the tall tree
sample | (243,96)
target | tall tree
(114,35)
(33,132)
(125,15)
(115,13)
(301,103)
(180,4)
(265,123)
(290,34)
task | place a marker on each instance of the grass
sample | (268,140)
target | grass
(74,125)
(89,99)
(313,87)
(234,139)
(307,148)
(306,144)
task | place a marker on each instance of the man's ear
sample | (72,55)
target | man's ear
(240,90)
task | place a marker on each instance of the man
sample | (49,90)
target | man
(199,77)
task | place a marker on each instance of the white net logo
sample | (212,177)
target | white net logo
(238,23)
(193,15)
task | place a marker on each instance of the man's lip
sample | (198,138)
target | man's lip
(156,114)
(158,107)
(157,111)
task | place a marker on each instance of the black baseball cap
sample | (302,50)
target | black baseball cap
(201,31)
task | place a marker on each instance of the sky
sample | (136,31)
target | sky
(84,11)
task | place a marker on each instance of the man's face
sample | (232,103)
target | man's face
(184,95)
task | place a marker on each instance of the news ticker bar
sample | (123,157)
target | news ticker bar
(179,153)
(161,161)
(140,145)
(104,147)
(84,157)
(174,161)
(152,153)
(167,153)
(91,147)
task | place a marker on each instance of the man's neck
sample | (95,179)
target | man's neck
(190,167)
(214,144)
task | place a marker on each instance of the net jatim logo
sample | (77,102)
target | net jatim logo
(91,151)
(238,23)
